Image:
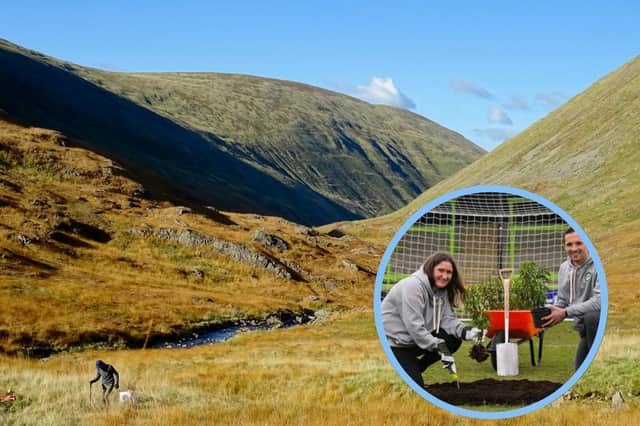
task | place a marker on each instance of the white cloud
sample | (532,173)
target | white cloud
(551,99)
(497,116)
(495,134)
(463,86)
(380,90)
(516,103)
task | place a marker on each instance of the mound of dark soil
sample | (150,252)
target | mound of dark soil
(493,392)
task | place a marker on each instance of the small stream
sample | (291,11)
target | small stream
(206,337)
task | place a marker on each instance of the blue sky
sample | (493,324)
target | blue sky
(486,70)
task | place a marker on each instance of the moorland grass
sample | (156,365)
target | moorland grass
(329,373)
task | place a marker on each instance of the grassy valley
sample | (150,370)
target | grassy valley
(92,253)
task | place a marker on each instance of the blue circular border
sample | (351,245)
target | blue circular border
(484,414)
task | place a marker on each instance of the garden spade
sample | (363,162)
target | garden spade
(506,353)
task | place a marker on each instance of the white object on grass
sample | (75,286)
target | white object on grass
(128,396)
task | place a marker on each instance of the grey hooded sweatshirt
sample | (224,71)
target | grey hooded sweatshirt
(413,309)
(579,290)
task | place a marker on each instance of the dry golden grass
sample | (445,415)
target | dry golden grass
(329,373)
(62,294)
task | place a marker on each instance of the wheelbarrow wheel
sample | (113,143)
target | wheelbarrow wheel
(497,338)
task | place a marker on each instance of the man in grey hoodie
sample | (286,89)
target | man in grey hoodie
(578,295)
(418,317)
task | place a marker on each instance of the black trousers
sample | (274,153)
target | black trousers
(591,321)
(414,360)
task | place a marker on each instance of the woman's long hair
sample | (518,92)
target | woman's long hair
(455,288)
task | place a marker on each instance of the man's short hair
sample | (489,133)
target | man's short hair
(568,231)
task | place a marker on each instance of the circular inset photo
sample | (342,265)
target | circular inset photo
(490,302)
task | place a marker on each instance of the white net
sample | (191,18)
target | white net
(484,232)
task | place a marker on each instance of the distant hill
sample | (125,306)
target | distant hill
(240,143)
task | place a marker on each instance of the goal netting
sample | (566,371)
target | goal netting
(484,232)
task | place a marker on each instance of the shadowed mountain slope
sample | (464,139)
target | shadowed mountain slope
(241,143)
(151,146)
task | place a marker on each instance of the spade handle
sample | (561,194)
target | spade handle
(505,275)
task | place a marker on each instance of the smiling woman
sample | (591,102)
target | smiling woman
(418,317)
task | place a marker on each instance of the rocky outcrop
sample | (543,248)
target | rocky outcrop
(236,251)
(270,241)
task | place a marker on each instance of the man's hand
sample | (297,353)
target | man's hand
(472,333)
(117,386)
(556,315)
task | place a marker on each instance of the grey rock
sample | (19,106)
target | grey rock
(274,322)
(304,230)
(70,171)
(617,401)
(236,251)
(322,315)
(144,231)
(24,240)
(294,267)
(259,235)
(329,284)
(364,250)
(270,241)
(349,264)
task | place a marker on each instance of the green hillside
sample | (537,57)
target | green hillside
(585,157)
(238,142)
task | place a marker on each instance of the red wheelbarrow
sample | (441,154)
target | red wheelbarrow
(521,326)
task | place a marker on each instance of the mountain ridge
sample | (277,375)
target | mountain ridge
(325,156)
